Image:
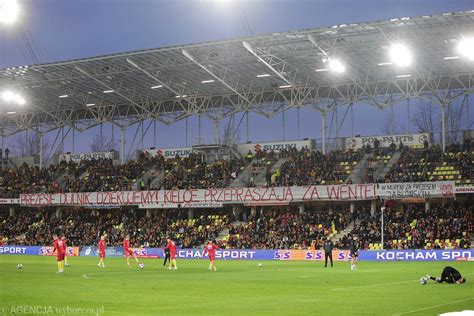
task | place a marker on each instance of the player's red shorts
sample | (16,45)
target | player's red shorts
(60,256)
(172,255)
(128,252)
(102,254)
(212,257)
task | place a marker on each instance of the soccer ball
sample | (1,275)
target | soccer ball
(19,266)
(141,265)
(423,281)
(260,265)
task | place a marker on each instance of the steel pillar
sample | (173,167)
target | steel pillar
(323,131)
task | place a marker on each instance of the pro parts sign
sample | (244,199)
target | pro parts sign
(386,141)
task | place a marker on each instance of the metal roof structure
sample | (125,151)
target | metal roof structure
(263,74)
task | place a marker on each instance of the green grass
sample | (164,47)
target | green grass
(237,288)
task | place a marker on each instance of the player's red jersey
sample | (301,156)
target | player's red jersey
(102,248)
(126,248)
(64,245)
(60,249)
(59,246)
(172,247)
(210,249)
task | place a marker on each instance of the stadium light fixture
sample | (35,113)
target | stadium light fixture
(285,86)
(400,55)
(466,48)
(403,76)
(263,75)
(207,81)
(108,91)
(156,87)
(9,11)
(90,104)
(12,112)
(64,96)
(384,64)
(11,97)
(322,69)
(451,57)
(336,65)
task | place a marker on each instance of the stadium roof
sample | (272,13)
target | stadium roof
(264,74)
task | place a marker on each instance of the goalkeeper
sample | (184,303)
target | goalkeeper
(449,275)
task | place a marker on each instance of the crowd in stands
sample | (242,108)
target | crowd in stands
(84,227)
(405,227)
(306,167)
(194,172)
(275,229)
(300,167)
(412,227)
(417,165)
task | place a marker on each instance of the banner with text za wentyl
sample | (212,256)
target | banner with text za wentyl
(194,197)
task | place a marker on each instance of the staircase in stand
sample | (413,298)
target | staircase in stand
(357,174)
(260,178)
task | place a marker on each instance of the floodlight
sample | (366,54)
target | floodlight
(336,65)
(400,55)
(8,11)
(466,48)
(11,97)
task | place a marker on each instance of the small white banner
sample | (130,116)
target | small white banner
(169,153)
(275,146)
(425,190)
(386,141)
(86,156)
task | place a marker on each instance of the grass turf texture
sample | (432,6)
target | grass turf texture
(237,288)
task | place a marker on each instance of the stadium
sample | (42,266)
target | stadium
(327,169)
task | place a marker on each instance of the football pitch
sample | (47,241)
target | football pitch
(237,288)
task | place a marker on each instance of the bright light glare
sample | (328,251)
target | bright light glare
(336,65)
(400,55)
(466,48)
(8,11)
(11,97)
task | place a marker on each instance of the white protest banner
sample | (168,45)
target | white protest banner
(396,191)
(386,141)
(86,156)
(170,153)
(275,146)
(465,189)
(168,198)
(9,201)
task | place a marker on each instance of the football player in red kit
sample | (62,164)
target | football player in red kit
(101,263)
(63,238)
(171,246)
(129,252)
(60,250)
(210,249)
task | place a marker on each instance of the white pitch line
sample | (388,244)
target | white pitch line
(433,306)
(378,284)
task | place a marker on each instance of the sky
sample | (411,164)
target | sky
(64,30)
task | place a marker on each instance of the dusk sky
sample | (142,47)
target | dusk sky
(66,29)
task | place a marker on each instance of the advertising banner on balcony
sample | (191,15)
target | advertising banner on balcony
(212,197)
(386,141)
(407,190)
(169,153)
(86,156)
(274,146)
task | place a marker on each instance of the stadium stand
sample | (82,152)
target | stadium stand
(412,227)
